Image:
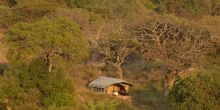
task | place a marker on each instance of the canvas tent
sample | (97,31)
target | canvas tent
(110,85)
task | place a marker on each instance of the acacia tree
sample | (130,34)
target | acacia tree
(114,49)
(51,40)
(178,47)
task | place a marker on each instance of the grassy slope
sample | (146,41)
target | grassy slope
(2,49)
(143,97)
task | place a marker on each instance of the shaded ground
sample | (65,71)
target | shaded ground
(149,98)
(2,54)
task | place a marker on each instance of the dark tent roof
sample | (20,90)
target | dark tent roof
(103,82)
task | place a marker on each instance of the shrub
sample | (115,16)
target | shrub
(32,9)
(35,87)
(102,105)
(8,17)
(8,2)
(185,8)
(88,21)
(150,96)
(109,8)
(150,5)
(55,88)
(194,93)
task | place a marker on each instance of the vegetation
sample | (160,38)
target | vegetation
(189,93)
(104,105)
(51,49)
(114,49)
(52,41)
(178,47)
(35,83)
(109,8)
(188,8)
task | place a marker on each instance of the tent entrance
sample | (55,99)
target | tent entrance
(120,89)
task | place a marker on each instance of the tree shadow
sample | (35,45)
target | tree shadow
(3,67)
(149,97)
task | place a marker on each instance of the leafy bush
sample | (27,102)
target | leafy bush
(150,5)
(8,2)
(54,87)
(102,105)
(215,7)
(15,95)
(32,10)
(186,8)
(194,93)
(151,96)
(8,17)
(88,21)
(35,87)
(109,8)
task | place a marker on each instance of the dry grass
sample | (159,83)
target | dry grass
(2,49)
(212,23)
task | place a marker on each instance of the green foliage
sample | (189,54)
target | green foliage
(8,17)
(55,88)
(186,8)
(87,20)
(102,105)
(216,7)
(109,8)
(78,3)
(55,41)
(32,9)
(196,7)
(151,96)
(194,93)
(8,2)
(44,89)
(126,105)
(150,5)
(16,96)
(43,39)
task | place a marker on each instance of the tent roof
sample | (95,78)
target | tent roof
(103,82)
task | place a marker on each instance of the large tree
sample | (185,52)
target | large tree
(114,48)
(52,40)
(179,47)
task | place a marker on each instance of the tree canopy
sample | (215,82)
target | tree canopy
(178,47)
(51,40)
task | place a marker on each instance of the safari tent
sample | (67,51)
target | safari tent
(108,85)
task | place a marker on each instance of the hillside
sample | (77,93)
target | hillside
(154,54)
(2,50)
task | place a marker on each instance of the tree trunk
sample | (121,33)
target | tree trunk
(50,67)
(99,73)
(169,80)
(168,83)
(119,71)
(48,62)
